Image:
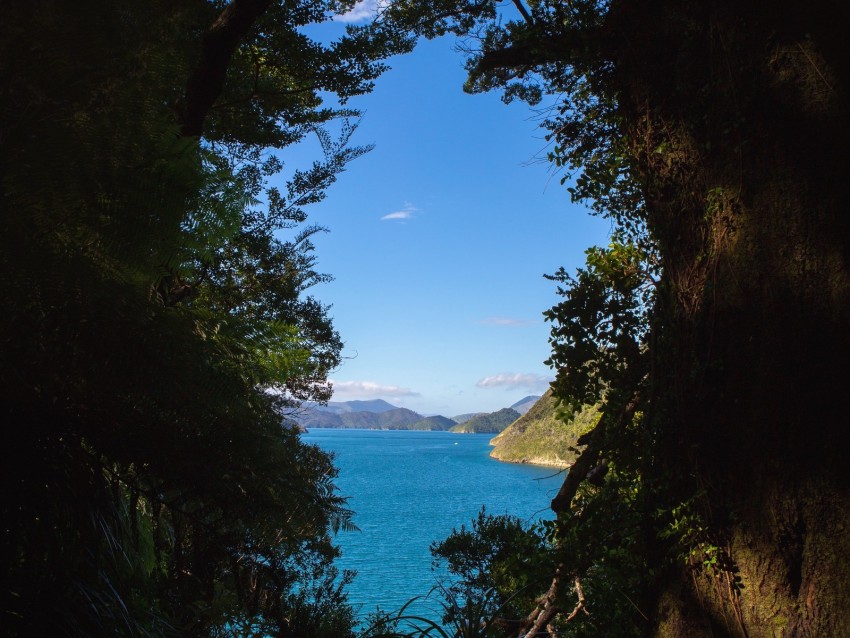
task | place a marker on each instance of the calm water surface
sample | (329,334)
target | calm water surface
(409,489)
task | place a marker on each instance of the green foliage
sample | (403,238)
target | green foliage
(158,320)
(601,328)
(497,560)
(502,567)
(692,540)
(604,541)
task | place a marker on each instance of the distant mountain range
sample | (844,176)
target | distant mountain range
(343,407)
(524,405)
(389,419)
(380,415)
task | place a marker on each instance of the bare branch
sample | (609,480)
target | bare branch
(580,602)
(546,609)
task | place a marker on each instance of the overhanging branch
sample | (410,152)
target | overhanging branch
(537,49)
(587,461)
(523,11)
(219,43)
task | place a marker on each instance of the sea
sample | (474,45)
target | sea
(409,489)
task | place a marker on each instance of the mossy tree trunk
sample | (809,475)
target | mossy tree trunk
(738,115)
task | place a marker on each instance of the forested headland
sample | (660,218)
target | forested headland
(548,434)
(158,318)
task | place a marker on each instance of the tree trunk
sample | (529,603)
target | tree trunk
(737,113)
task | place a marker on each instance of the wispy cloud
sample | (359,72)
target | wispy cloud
(406,212)
(512,381)
(361,11)
(368,389)
(506,321)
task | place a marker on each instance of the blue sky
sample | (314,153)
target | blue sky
(438,241)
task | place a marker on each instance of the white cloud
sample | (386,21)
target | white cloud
(512,381)
(406,212)
(361,11)
(344,390)
(401,214)
(506,321)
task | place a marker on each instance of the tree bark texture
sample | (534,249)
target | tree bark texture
(738,116)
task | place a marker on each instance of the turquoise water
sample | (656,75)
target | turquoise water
(409,489)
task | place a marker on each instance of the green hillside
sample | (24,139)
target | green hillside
(489,423)
(393,419)
(539,437)
(434,423)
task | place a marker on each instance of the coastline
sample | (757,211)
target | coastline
(542,461)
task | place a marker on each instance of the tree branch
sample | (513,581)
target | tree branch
(586,463)
(546,609)
(579,470)
(580,602)
(515,56)
(206,82)
(543,49)
(521,8)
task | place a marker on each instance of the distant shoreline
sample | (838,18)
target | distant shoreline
(537,461)
(310,429)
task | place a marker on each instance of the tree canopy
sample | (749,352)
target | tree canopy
(158,318)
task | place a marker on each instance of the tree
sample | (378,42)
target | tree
(484,562)
(157,317)
(713,136)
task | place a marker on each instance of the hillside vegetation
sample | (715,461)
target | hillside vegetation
(541,438)
(434,423)
(393,419)
(490,423)
(343,407)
